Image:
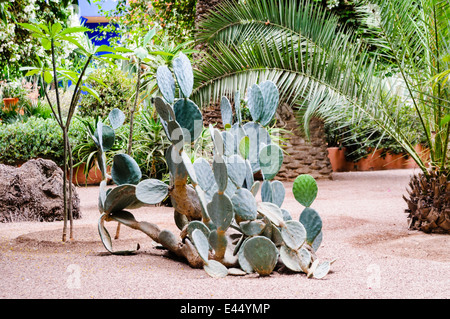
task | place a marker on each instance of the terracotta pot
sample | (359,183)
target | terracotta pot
(395,161)
(10,103)
(373,162)
(424,154)
(337,159)
(94,176)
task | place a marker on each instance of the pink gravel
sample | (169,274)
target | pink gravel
(364,227)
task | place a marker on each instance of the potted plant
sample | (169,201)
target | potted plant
(11,93)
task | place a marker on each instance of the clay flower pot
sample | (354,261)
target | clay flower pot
(337,159)
(94,176)
(10,102)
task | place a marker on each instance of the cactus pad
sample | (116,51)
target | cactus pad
(262,254)
(293,234)
(189,118)
(125,170)
(151,191)
(312,222)
(220,210)
(244,204)
(183,72)
(270,160)
(166,83)
(305,189)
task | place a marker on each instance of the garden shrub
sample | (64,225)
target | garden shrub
(116,93)
(37,137)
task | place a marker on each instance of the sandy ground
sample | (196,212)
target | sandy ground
(364,227)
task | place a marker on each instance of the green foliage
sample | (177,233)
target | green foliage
(360,138)
(36,137)
(114,91)
(175,18)
(17,47)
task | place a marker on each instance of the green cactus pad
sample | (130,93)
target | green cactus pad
(293,234)
(180,220)
(231,188)
(272,212)
(317,241)
(286,215)
(243,262)
(237,107)
(107,134)
(102,196)
(255,188)
(166,83)
(236,169)
(205,177)
(201,244)
(106,238)
(270,160)
(278,193)
(217,139)
(204,200)
(176,135)
(255,102)
(244,204)
(305,189)
(215,269)
(226,111)
(220,210)
(322,270)
(218,243)
(244,147)
(252,227)
(249,178)
(229,146)
(258,137)
(151,191)
(121,197)
(163,109)
(266,192)
(116,118)
(220,172)
(183,72)
(312,222)
(276,235)
(125,170)
(189,117)
(195,224)
(305,259)
(125,218)
(189,168)
(262,254)
(290,258)
(175,164)
(271,98)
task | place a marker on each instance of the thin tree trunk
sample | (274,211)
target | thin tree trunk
(130,137)
(64,234)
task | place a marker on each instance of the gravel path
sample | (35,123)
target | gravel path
(364,227)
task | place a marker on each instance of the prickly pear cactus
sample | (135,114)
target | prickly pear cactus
(224,228)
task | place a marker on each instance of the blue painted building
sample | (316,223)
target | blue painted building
(92,18)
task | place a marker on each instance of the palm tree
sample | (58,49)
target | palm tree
(324,70)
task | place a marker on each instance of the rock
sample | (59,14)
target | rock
(34,192)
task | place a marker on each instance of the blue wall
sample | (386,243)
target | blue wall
(86,11)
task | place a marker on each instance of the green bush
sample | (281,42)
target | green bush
(116,93)
(359,138)
(37,137)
